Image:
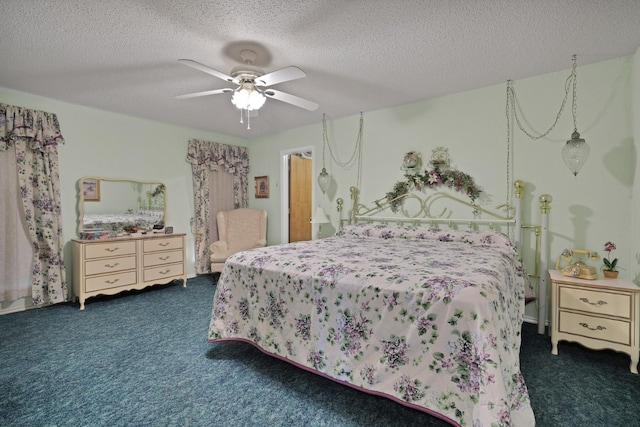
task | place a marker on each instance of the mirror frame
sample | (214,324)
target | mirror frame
(95,195)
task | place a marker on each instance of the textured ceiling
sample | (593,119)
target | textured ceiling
(359,55)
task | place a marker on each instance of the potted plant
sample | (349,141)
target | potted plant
(609,267)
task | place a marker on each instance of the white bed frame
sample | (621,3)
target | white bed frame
(424,215)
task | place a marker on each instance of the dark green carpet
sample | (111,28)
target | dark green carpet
(142,358)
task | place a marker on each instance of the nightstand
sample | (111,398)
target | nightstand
(599,314)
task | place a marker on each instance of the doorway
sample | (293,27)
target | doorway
(297,194)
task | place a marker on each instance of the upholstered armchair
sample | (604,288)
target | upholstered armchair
(238,230)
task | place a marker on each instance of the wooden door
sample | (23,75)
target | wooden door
(299,198)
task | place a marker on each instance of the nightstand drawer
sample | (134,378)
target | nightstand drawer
(598,301)
(598,328)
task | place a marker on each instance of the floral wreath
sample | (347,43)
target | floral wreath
(454,179)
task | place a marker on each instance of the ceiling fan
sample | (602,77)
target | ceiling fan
(253,84)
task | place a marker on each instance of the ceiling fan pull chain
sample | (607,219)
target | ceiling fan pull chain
(248,120)
(241,121)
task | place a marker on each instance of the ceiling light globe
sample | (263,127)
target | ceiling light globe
(256,100)
(240,99)
(575,153)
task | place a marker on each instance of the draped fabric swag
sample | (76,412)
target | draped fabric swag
(220,182)
(35,136)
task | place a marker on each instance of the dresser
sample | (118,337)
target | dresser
(599,314)
(106,267)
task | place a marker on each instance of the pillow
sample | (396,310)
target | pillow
(383,231)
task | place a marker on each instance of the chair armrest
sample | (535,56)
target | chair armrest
(260,243)
(218,247)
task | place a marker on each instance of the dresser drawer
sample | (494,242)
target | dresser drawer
(101,250)
(598,302)
(598,328)
(161,258)
(162,244)
(163,272)
(110,281)
(109,265)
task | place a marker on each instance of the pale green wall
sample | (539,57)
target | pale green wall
(104,144)
(586,211)
(634,261)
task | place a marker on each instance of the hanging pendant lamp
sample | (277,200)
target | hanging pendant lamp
(576,151)
(324,180)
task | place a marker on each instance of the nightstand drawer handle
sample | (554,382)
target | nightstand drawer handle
(600,302)
(597,328)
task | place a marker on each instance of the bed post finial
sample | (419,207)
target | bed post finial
(354,192)
(545,203)
(519,184)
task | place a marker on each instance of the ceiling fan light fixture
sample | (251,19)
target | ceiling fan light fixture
(248,98)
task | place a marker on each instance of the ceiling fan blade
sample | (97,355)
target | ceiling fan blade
(291,99)
(205,93)
(279,76)
(198,66)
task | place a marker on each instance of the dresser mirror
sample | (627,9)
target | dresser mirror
(120,206)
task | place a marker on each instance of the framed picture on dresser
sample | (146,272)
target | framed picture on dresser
(91,190)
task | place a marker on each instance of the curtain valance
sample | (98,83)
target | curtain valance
(232,158)
(39,129)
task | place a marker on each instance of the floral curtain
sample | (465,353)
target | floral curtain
(35,135)
(208,160)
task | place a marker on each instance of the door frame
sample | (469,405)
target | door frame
(284,190)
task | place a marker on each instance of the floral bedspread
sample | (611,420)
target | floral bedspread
(428,318)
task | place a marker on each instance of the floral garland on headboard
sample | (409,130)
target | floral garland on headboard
(439,176)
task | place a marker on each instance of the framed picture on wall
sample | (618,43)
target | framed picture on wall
(262,187)
(91,189)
